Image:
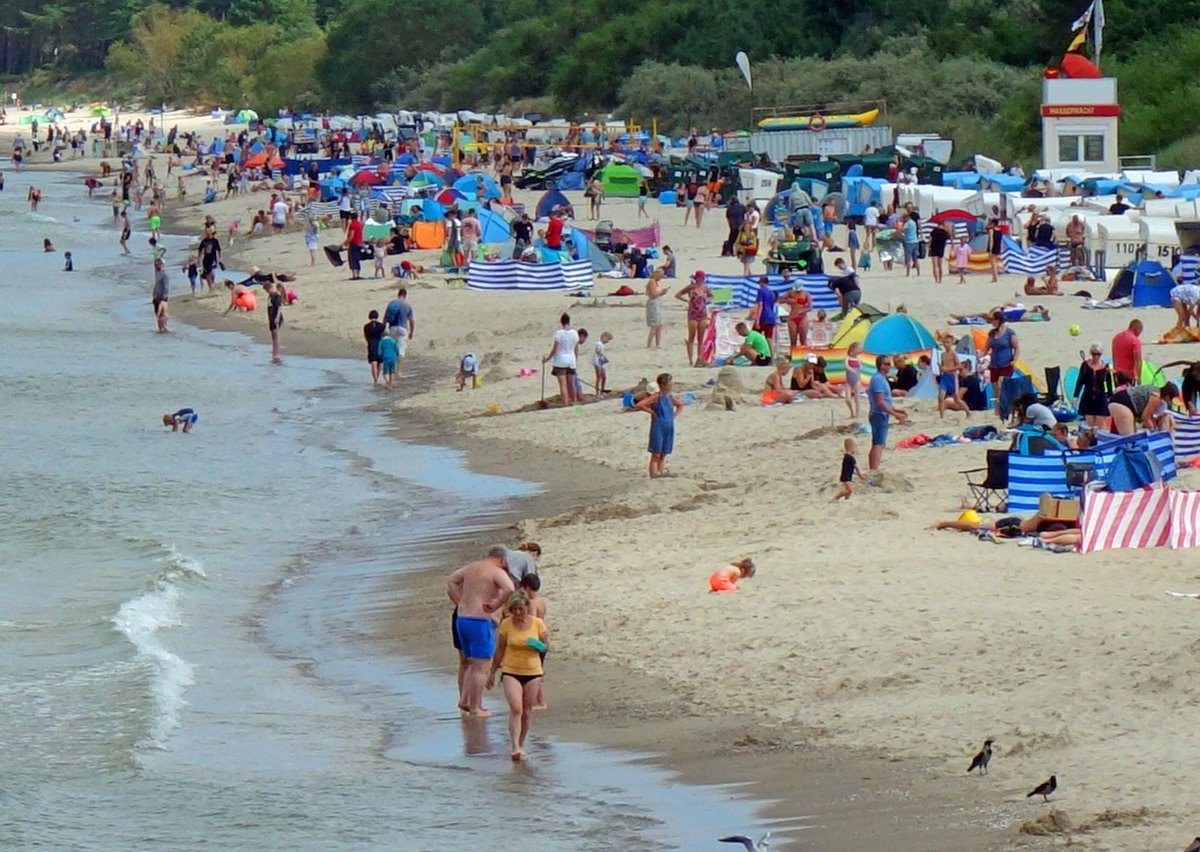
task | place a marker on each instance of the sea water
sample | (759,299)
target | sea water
(185,658)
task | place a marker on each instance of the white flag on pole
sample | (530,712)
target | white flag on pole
(743,62)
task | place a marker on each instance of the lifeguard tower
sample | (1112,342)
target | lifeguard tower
(1079,124)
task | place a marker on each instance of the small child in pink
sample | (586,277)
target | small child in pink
(962,256)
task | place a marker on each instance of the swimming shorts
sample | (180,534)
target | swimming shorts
(879,428)
(948,382)
(562,371)
(662,438)
(1001,372)
(454,630)
(389,366)
(762,361)
(718,582)
(477,637)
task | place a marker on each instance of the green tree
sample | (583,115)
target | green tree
(359,53)
(151,55)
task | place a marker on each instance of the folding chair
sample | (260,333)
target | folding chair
(992,491)
(1053,377)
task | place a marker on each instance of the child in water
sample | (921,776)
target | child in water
(663,407)
(184,417)
(726,579)
(68,262)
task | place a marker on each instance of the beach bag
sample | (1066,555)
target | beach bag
(1132,468)
(922,250)
(980,433)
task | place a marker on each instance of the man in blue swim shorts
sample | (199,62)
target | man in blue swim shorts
(879,394)
(478,591)
(184,417)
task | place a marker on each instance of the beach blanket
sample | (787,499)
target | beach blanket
(1147,517)
(515,275)
(1029,477)
(745,288)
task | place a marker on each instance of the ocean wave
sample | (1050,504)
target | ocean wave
(141,620)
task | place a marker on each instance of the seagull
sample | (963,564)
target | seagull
(1044,789)
(1194,846)
(981,759)
(750,845)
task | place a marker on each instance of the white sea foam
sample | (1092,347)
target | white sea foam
(142,621)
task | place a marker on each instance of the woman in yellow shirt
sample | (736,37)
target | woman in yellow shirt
(520,642)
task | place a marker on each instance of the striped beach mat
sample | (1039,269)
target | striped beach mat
(1125,519)
(745,289)
(515,275)
(1029,477)
(1187,437)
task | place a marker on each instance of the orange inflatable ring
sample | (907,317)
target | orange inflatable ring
(817,123)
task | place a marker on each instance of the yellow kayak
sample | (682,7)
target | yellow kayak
(819,122)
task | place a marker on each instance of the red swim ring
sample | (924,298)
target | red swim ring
(817,123)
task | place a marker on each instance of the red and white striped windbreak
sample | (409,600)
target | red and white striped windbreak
(1125,519)
(1185,519)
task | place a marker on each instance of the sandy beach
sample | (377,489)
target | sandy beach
(868,648)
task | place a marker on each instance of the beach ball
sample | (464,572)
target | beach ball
(1074,330)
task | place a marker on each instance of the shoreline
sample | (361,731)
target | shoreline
(865,640)
(803,792)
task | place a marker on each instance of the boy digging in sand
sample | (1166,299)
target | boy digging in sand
(663,406)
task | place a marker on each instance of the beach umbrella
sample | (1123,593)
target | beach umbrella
(100,110)
(366,178)
(449,196)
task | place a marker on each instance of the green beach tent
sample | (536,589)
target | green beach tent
(620,181)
